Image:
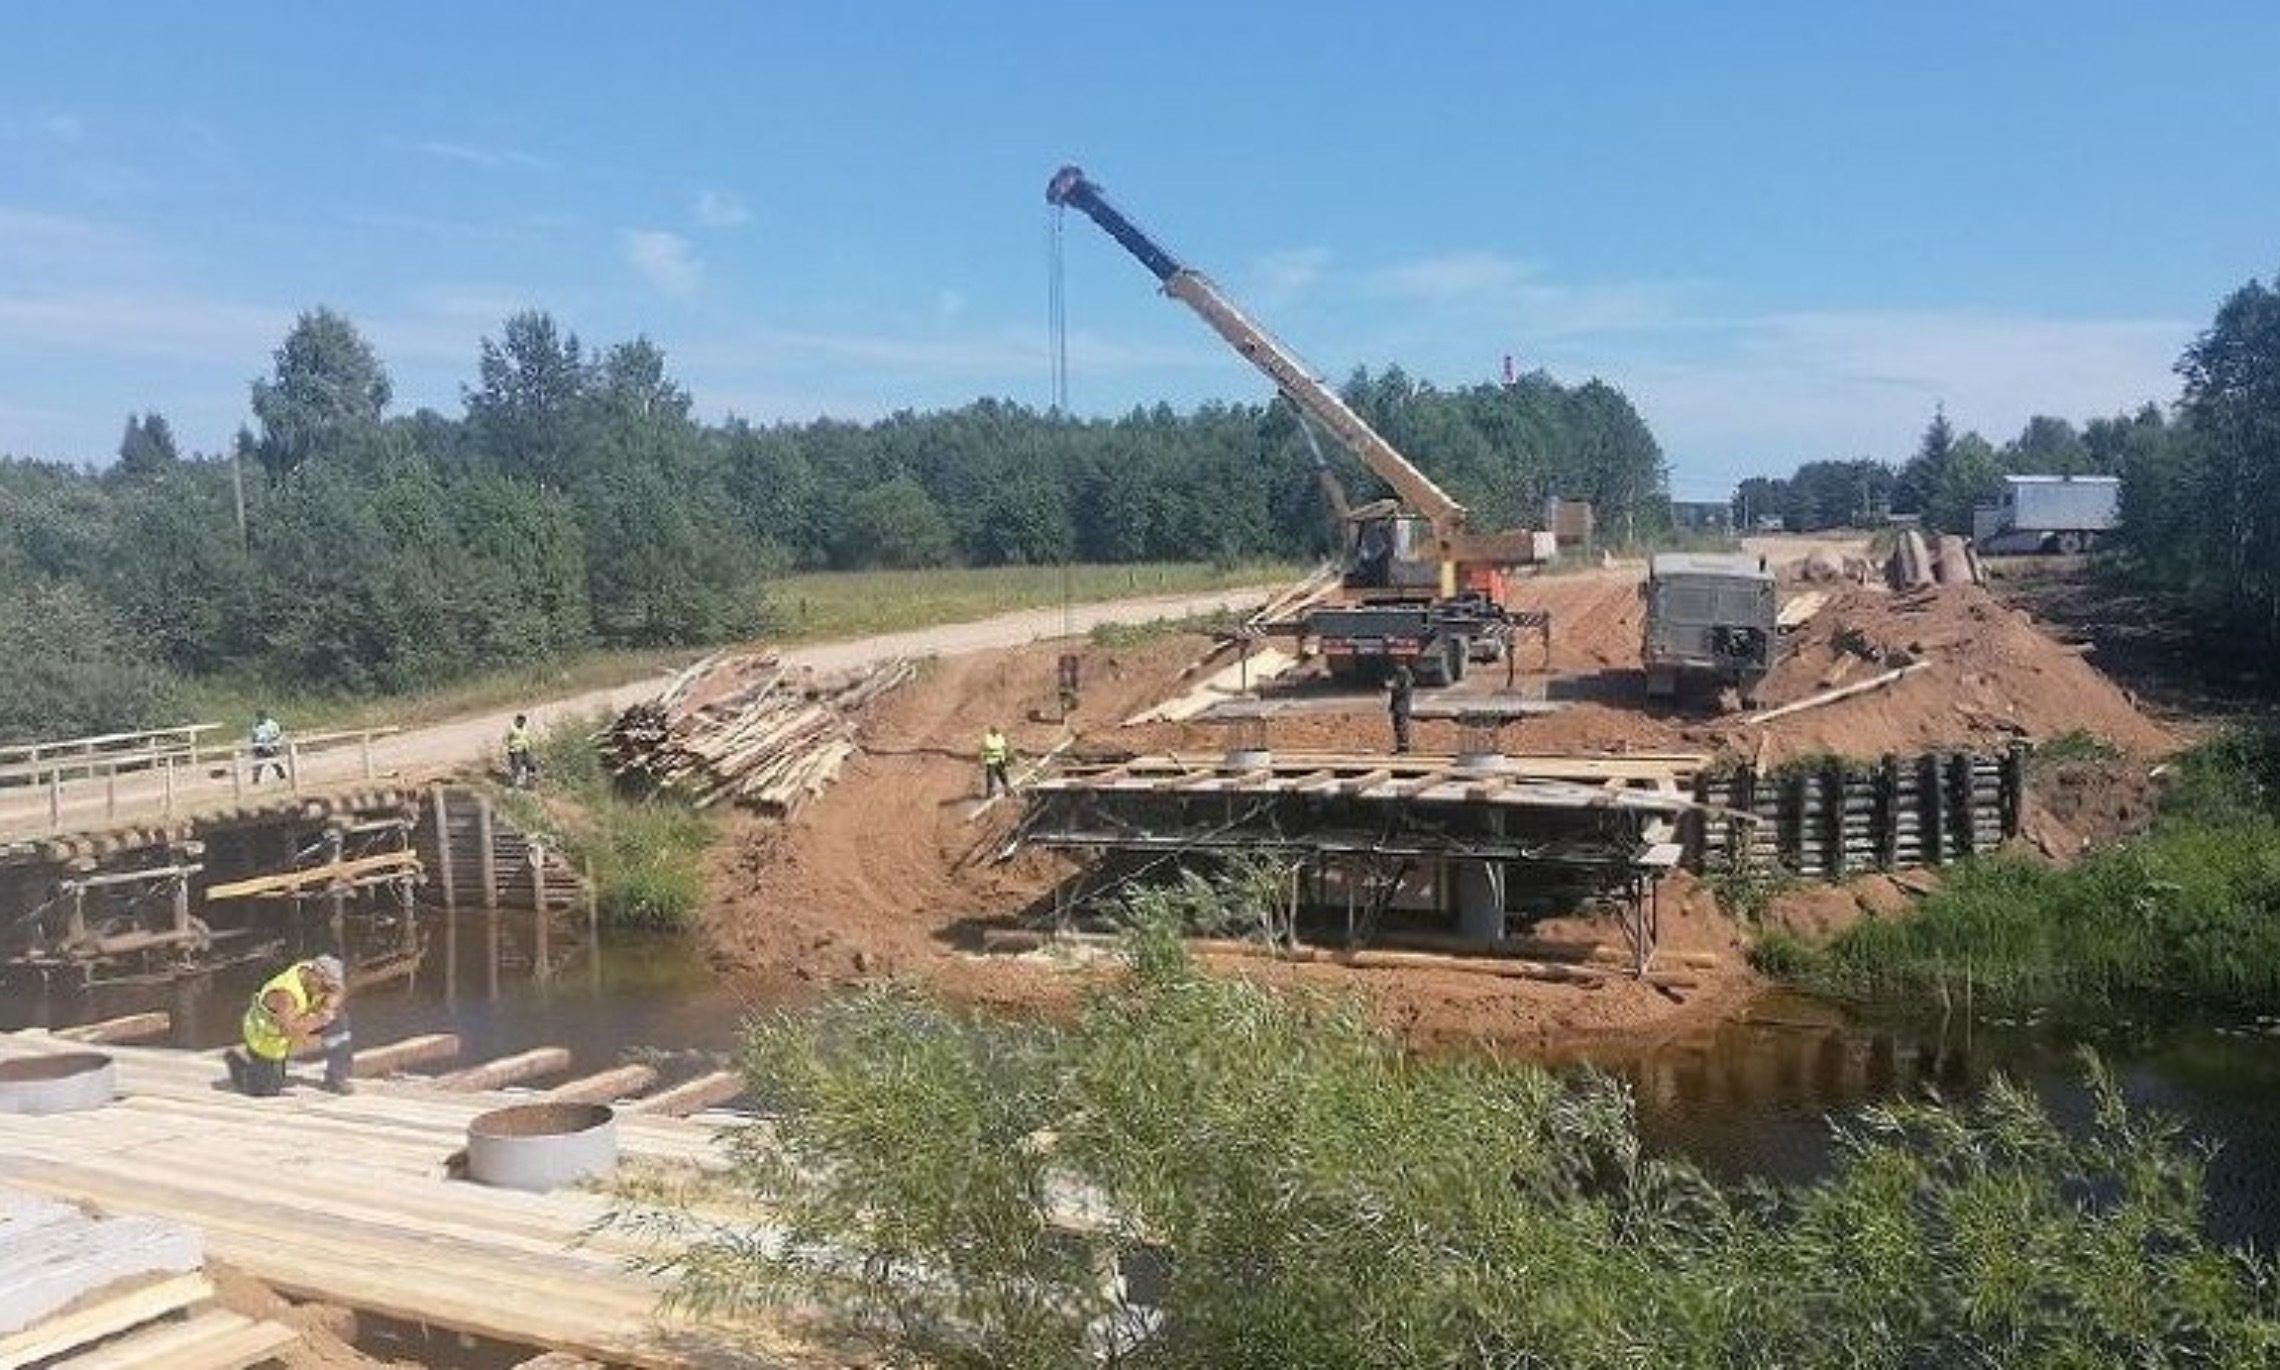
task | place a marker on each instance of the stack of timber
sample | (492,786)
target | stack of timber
(746,728)
(1290,603)
(357,1202)
(78,1291)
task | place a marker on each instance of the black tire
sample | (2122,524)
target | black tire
(1455,655)
(2069,544)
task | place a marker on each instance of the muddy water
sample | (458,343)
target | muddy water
(1750,1097)
(1753,1097)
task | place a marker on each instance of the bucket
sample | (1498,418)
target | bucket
(539,1147)
(68,1082)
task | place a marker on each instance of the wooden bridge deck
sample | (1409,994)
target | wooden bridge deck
(348,1200)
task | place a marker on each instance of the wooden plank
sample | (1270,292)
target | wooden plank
(104,1317)
(507,1070)
(130,1028)
(285,882)
(52,1255)
(215,1339)
(1365,781)
(604,1087)
(705,1091)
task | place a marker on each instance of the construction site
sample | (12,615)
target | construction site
(1493,782)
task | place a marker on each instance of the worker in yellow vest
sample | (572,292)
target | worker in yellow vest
(301,1010)
(997,755)
(522,756)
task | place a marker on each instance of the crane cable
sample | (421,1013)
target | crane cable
(1057,311)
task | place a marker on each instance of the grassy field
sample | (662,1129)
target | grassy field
(838,604)
(814,607)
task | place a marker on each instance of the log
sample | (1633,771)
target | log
(692,1096)
(1589,961)
(507,1070)
(134,1027)
(411,1051)
(1833,696)
(603,1087)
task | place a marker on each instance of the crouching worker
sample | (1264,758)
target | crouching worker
(301,1011)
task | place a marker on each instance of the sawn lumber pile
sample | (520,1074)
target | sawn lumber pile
(749,729)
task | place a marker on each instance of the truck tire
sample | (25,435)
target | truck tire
(1457,653)
(2069,544)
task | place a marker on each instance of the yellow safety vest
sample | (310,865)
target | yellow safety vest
(264,1035)
(518,741)
(996,751)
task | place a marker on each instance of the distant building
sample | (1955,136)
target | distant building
(1702,515)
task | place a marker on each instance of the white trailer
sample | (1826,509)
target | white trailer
(2066,514)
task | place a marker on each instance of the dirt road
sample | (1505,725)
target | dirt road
(427,753)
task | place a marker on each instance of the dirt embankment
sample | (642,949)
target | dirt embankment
(889,875)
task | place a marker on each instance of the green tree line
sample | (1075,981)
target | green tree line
(2200,480)
(344,546)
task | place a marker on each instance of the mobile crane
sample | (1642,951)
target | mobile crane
(1427,590)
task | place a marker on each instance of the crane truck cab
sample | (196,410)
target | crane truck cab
(1710,619)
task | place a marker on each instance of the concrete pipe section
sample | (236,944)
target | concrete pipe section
(70,1082)
(542,1146)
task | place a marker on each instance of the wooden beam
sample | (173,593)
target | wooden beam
(134,1027)
(332,872)
(604,1087)
(411,1051)
(692,1096)
(1833,696)
(507,1070)
(1364,781)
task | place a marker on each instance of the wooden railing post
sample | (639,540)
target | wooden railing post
(368,754)
(55,797)
(486,855)
(443,861)
(293,765)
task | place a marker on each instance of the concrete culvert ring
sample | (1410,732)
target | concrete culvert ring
(542,1146)
(67,1082)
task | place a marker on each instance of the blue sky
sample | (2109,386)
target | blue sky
(1786,230)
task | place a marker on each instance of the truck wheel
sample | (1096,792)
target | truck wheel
(2069,544)
(1459,652)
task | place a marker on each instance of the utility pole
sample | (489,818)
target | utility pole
(237,487)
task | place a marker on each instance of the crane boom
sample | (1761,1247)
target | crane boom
(1070,186)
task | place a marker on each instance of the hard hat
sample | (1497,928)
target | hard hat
(329,970)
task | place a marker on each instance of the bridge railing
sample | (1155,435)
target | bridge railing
(56,786)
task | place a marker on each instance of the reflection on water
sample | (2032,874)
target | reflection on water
(1754,1096)
(479,976)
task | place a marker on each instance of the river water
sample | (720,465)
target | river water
(1752,1096)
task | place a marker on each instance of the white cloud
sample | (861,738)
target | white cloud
(1449,276)
(1762,394)
(140,324)
(490,158)
(717,209)
(1284,276)
(665,260)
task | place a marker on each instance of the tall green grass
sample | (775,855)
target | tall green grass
(643,853)
(2189,910)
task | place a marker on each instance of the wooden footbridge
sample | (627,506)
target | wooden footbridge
(355,1201)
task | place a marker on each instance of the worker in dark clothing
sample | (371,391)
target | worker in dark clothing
(997,757)
(1398,691)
